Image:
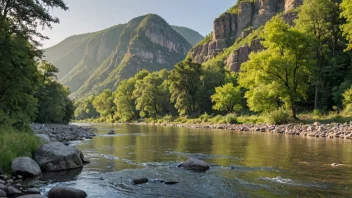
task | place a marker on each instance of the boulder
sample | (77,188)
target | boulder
(44,138)
(25,167)
(3,187)
(140,181)
(2,193)
(66,192)
(32,196)
(195,165)
(33,191)
(11,191)
(55,156)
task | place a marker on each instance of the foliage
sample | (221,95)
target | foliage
(14,143)
(18,79)
(346,13)
(185,86)
(279,116)
(347,98)
(152,95)
(26,16)
(54,105)
(124,100)
(227,98)
(84,109)
(104,104)
(284,66)
(231,118)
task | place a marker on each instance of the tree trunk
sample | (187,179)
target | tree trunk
(294,113)
(316,97)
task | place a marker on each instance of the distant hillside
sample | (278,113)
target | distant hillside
(92,62)
(190,35)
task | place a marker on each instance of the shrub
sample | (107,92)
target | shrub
(205,117)
(280,116)
(14,144)
(231,118)
(217,119)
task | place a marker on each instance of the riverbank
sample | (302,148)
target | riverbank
(318,130)
(63,133)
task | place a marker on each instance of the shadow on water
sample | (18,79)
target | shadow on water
(243,164)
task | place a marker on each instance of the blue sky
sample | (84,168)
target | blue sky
(93,15)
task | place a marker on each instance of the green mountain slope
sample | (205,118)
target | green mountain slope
(92,62)
(190,35)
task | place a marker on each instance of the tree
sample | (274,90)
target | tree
(347,96)
(84,108)
(285,65)
(104,104)
(18,79)
(124,100)
(346,13)
(227,98)
(150,94)
(49,70)
(320,18)
(185,86)
(24,17)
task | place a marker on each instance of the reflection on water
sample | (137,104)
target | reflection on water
(248,164)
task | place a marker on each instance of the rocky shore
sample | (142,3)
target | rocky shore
(318,130)
(54,155)
(63,133)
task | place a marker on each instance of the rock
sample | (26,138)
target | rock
(2,193)
(33,191)
(112,132)
(66,192)
(11,191)
(3,187)
(334,164)
(316,123)
(25,166)
(2,181)
(10,181)
(56,156)
(195,165)
(171,182)
(140,181)
(44,138)
(32,196)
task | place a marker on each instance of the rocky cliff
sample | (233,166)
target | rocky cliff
(93,62)
(238,22)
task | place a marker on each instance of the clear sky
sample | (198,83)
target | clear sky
(93,15)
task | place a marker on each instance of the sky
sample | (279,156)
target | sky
(93,15)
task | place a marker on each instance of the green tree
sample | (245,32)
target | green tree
(124,100)
(84,108)
(150,94)
(285,65)
(24,17)
(320,18)
(104,104)
(227,98)
(185,86)
(18,79)
(347,97)
(346,13)
(48,70)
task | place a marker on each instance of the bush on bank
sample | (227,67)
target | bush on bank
(15,143)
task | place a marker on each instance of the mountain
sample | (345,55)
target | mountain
(190,35)
(236,31)
(92,62)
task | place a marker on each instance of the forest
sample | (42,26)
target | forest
(305,72)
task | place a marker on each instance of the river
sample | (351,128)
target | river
(248,164)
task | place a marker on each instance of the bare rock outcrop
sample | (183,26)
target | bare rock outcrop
(230,26)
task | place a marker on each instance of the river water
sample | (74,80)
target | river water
(243,164)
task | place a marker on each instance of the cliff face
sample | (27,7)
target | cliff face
(100,60)
(238,22)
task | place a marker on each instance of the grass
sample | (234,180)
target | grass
(14,143)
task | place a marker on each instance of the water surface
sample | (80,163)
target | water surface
(243,164)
